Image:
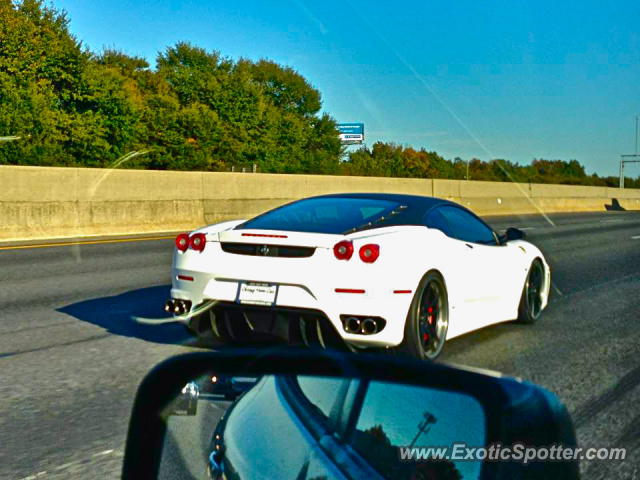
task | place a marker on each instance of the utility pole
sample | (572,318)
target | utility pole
(422,427)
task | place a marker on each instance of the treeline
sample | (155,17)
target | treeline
(389,160)
(194,110)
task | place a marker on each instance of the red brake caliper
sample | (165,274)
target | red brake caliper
(425,336)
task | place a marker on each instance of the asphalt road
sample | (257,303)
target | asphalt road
(71,357)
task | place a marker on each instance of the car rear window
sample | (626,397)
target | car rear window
(323,215)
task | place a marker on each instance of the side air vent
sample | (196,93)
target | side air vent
(261,250)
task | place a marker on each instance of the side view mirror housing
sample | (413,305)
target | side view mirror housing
(383,405)
(511,234)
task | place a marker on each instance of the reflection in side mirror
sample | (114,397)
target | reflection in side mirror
(395,426)
(209,386)
(186,403)
(421,421)
(305,414)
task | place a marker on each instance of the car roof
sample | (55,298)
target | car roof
(396,197)
(417,205)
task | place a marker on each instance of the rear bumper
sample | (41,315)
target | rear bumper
(379,300)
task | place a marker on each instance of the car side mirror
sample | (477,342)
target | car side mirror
(512,234)
(370,414)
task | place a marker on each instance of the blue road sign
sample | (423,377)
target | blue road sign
(351,133)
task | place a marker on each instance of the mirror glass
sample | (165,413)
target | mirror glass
(304,427)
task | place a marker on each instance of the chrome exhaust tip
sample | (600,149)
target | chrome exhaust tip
(177,306)
(168,306)
(352,325)
(369,326)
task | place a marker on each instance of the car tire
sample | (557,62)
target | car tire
(530,306)
(427,323)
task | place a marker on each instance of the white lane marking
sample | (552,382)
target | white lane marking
(612,221)
(104,452)
(635,237)
(556,289)
(527,228)
(33,477)
(70,464)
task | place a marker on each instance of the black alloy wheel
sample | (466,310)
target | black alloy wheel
(428,319)
(530,306)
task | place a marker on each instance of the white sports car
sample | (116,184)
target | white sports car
(357,270)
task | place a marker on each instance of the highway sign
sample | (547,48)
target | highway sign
(351,133)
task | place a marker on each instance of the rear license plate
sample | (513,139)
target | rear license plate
(257,293)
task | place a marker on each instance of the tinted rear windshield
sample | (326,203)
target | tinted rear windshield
(323,215)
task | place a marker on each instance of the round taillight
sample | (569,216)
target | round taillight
(343,250)
(369,253)
(197,241)
(182,242)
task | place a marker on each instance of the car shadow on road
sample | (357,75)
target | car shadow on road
(116,315)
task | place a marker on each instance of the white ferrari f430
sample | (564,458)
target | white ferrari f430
(358,270)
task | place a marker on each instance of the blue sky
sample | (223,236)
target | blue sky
(488,79)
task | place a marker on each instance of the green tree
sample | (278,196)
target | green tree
(41,65)
(286,88)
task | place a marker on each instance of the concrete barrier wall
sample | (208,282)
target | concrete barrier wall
(43,202)
(497,198)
